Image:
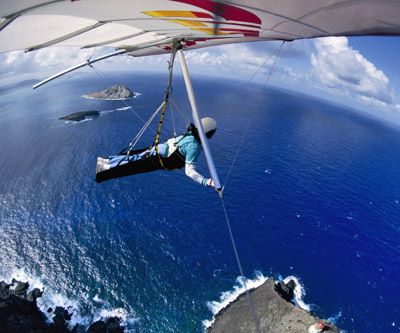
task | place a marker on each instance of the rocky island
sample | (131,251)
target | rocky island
(116,92)
(275,312)
(82,115)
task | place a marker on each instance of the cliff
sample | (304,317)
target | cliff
(274,310)
(19,313)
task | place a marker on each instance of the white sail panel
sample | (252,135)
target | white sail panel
(29,31)
(128,24)
(9,8)
(105,34)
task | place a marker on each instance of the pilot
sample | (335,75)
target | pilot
(188,146)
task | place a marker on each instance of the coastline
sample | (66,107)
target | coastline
(19,312)
(276,307)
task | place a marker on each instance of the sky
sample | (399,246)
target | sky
(361,72)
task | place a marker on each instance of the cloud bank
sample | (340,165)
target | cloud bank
(340,67)
(330,64)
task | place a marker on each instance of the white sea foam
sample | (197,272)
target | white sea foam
(136,94)
(84,120)
(51,299)
(97,299)
(108,99)
(101,113)
(124,108)
(335,318)
(104,112)
(299,293)
(108,313)
(228,297)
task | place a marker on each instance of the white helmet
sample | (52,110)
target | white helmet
(209,125)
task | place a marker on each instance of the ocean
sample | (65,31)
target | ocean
(314,193)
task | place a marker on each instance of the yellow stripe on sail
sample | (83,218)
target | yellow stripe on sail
(170,13)
(189,23)
(211,31)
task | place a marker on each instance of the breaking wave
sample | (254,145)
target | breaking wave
(228,297)
(101,113)
(299,293)
(84,311)
(136,94)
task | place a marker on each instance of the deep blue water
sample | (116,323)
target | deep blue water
(315,193)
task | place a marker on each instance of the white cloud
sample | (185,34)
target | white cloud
(339,66)
(44,60)
(239,61)
(334,63)
(232,59)
(206,58)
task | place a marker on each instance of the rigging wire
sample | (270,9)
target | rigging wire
(276,54)
(182,114)
(163,107)
(250,299)
(167,92)
(172,116)
(232,238)
(133,143)
(108,77)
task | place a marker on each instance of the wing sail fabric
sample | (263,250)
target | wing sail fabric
(126,24)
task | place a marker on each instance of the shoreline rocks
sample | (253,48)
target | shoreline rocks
(272,301)
(275,312)
(19,313)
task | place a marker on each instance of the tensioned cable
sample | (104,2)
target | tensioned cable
(276,53)
(182,114)
(143,129)
(96,70)
(135,140)
(249,297)
(167,92)
(162,107)
(172,116)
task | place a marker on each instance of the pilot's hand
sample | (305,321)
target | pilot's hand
(210,182)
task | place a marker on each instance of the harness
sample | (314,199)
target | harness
(171,162)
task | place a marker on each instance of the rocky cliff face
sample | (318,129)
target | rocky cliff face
(117,91)
(274,310)
(19,313)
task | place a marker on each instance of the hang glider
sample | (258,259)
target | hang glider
(149,27)
(146,27)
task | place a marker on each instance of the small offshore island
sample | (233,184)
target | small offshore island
(116,92)
(82,115)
